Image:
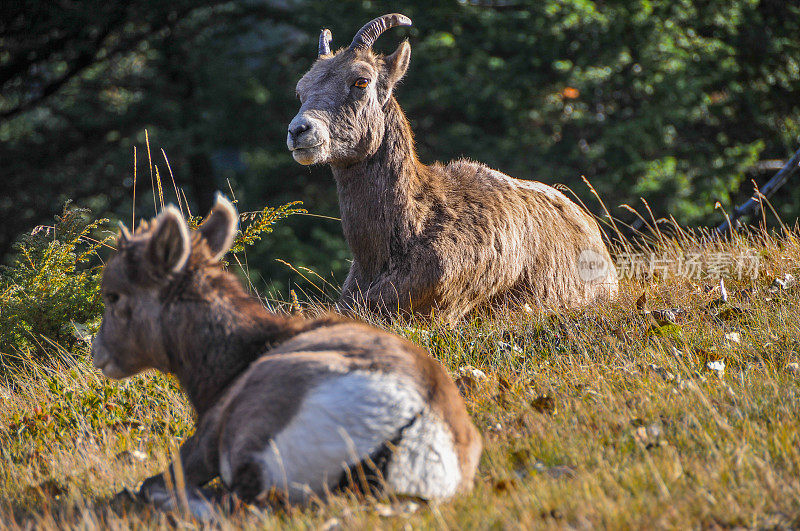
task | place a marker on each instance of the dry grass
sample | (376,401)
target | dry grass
(598,418)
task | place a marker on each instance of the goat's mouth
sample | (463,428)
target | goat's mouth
(307,155)
(107,365)
(111,370)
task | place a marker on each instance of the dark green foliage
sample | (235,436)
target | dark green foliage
(671,101)
(51,293)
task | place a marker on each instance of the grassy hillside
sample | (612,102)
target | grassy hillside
(616,416)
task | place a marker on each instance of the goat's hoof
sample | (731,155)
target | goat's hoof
(160,498)
(125,495)
(201,509)
(123,500)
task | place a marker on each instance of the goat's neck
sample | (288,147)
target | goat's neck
(208,356)
(377,195)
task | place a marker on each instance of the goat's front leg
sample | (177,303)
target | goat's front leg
(197,471)
(409,287)
(354,293)
(351,289)
(400,293)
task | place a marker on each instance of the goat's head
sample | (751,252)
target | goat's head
(343,95)
(149,277)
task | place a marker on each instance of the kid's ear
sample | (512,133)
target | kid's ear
(124,235)
(169,246)
(219,228)
(396,65)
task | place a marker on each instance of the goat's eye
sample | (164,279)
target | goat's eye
(296,94)
(111,297)
(361,83)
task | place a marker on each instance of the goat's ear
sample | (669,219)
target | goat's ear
(396,65)
(219,228)
(124,235)
(169,245)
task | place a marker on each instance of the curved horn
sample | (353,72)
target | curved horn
(325,38)
(367,35)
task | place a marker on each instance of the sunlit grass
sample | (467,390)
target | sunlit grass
(602,417)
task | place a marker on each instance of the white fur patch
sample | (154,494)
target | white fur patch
(425,463)
(347,418)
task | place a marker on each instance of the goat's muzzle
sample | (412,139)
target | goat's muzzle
(102,359)
(307,140)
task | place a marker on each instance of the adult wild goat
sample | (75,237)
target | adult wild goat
(449,237)
(284,404)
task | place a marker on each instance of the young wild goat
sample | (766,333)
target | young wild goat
(284,404)
(449,237)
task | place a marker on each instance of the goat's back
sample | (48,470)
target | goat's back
(502,238)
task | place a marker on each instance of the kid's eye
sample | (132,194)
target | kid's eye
(111,297)
(361,83)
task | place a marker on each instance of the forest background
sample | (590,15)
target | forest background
(682,103)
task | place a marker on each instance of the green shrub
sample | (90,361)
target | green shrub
(261,222)
(51,292)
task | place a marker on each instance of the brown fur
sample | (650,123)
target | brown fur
(245,370)
(450,237)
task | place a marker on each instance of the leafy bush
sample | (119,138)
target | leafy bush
(51,293)
(261,223)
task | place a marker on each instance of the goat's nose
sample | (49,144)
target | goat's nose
(298,127)
(99,355)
